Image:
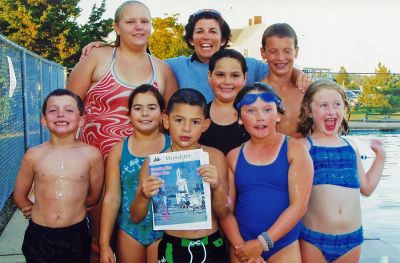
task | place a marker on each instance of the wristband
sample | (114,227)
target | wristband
(263,242)
(267,239)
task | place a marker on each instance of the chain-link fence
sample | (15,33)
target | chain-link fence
(25,79)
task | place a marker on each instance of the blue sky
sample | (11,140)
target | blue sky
(356,34)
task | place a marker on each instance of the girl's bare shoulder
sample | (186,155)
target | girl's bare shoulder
(233,154)
(298,146)
(101,52)
(161,66)
(212,152)
(90,151)
(297,142)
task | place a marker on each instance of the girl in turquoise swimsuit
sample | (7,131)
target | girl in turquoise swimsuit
(332,230)
(134,242)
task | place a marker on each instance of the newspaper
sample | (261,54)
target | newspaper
(184,201)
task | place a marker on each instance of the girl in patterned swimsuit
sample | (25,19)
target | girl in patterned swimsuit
(332,230)
(134,242)
(106,77)
(270,179)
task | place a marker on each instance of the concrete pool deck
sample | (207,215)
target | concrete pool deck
(374,250)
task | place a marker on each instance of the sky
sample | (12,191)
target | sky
(356,34)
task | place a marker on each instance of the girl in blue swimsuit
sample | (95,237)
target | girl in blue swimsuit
(134,242)
(332,230)
(270,179)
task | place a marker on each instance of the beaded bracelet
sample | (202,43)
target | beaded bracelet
(268,239)
(263,242)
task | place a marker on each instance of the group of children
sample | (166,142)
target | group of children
(275,198)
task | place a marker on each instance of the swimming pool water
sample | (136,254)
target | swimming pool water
(381,211)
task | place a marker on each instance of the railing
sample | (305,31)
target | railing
(25,79)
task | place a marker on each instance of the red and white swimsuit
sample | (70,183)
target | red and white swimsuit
(106,110)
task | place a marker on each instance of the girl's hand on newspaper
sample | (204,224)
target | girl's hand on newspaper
(210,175)
(151,185)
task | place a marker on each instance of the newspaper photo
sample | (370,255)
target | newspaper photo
(184,201)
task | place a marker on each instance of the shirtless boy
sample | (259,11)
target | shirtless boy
(68,176)
(186,118)
(279,48)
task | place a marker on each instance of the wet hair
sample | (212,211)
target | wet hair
(280,30)
(306,123)
(144,88)
(227,53)
(207,14)
(63,92)
(190,97)
(118,15)
(260,87)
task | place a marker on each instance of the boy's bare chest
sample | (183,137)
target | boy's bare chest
(65,167)
(292,104)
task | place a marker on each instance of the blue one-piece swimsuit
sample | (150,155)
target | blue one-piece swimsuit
(129,169)
(336,166)
(262,196)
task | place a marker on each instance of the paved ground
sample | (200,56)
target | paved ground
(369,125)
(374,250)
(11,239)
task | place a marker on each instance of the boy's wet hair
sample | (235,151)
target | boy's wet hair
(227,53)
(143,89)
(63,92)
(260,87)
(306,123)
(207,14)
(279,30)
(188,96)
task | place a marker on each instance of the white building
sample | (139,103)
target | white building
(247,40)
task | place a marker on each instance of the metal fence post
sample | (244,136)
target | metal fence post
(25,100)
(42,136)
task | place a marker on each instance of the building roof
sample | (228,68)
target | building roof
(247,40)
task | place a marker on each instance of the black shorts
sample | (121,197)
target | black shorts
(210,249)
(49,245)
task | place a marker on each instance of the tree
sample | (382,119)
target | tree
(96,29)
(167,39)
(49,28)
(374,89)
(342,77)
(43,27)
(392,93)
(16,23)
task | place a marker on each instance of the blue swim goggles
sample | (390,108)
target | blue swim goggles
(251,98)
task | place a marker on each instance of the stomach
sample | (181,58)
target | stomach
(194,234)
(333,209)
(56,211)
